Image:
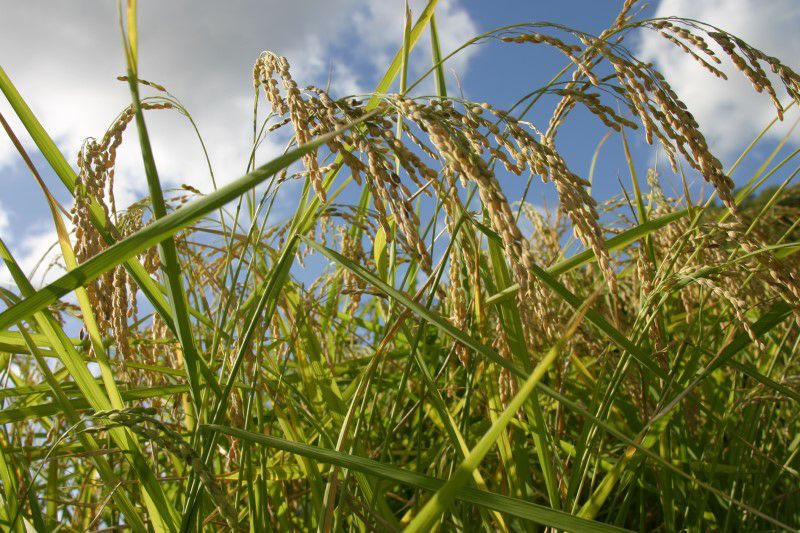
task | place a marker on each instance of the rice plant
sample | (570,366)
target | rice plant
(414,348)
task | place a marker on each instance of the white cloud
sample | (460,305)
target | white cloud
(3,219)
(63,56)
(454,25)
(38,255)
(730,113)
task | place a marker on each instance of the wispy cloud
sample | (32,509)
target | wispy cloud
(37,255)
(730,113)
(3,218)
(64,58)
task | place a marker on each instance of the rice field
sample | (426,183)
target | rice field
(416,346)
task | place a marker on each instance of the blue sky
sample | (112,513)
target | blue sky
(64,57)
